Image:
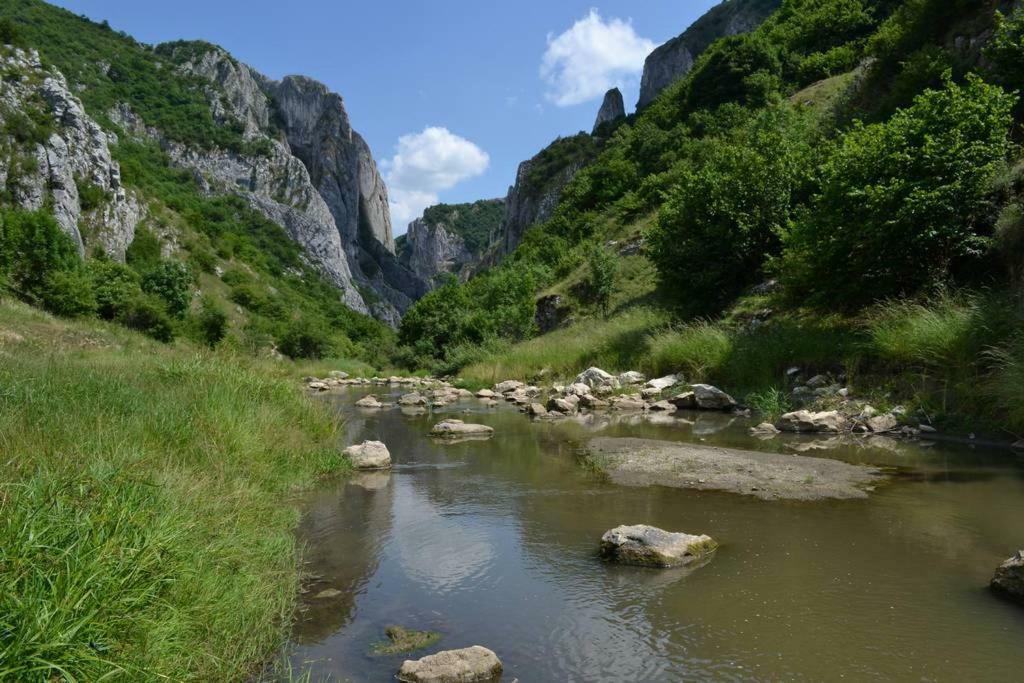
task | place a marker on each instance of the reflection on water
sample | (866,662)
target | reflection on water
(494,543)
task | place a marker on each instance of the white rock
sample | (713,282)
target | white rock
(371,455)
(457,428)
(471,665)
(649,546)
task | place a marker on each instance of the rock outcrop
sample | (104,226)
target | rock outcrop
(73,152)
(612,109)
(648,546)
(674,59)
(434,245)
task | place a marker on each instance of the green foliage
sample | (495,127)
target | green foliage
(115,286)
(69,293)
(146,313)
(33,246)
(9,33)
(744,69)
(90,195)
(171,282)
(307,338)
(602,269)
(556,158)
(903,203)
(725,215)
(145,250)
(212,322)
(475,222)
(1005,52)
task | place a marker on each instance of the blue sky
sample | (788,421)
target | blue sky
(452,94)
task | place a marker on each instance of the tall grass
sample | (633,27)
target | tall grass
(697,351)
(145,531)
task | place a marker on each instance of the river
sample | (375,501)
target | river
(494,543)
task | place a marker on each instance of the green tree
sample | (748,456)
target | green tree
(69,293)
(602,270)
(905,202)
(172,282)
(32,246)
(114,284)
(212,322)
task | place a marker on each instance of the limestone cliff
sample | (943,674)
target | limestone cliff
(612,109)
(450,239)
(674,59)
(52,151)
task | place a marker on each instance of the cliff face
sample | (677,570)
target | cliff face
(674,59)
(315,176)
(451,239)
(612,109)
(58,149)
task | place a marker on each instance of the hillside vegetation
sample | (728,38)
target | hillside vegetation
(838,190)
(207,267)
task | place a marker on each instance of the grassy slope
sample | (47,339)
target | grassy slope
(142,531)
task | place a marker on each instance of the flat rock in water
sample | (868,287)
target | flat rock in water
(458,428)
(1009,578)
(369,402)
(371,455)
(472,665)
(648,546)
(769,476)
(804,421)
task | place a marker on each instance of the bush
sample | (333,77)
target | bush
(171,281)
(602,267)
(9,33)
(69,293)
(145,250)
(32,246)
(90,195)
(212,322)
(307,338)
(904,203)
(115,286)
(146,313)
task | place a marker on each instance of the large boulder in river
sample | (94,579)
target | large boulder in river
(708,397)
(1009,578)
(371,455)
(804,421)
(648,546)
(458,428)
(413,399)
(369,402)
(472,665)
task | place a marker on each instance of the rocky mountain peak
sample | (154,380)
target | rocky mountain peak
(612,109)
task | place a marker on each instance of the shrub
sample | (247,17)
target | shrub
(903,203)
(1005,52)
(602,268)
(32,246)
(114,284)
(69,293)
(145,250)
(9,33)
(90,195)
(212,322)
(307,338)
(171,281)
(146,313)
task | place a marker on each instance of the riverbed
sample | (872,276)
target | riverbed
(494,543)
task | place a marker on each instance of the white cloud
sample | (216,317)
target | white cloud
(591,58)
(425,164)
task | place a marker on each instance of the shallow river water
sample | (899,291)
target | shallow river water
(494,543)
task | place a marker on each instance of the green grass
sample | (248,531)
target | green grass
(145,524)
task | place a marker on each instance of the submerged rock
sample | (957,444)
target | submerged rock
(648,546)
(458,428)
(401,640)
(371,455)
(1009,578)
(471,665)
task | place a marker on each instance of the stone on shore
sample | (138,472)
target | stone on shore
(804,421)
(472,665)
(663,383)
(685,401)
(663,407)
(632,377)
(1009,578)
(648,546)
(507,386)
(536,410)
(596,378)
(708,397)
(338,374)
(485,393)
(371,455)
(562,405)
(458,428)
(318,386)
(883,423)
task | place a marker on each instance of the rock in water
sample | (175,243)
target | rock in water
(708,397)
(372,455)
(612,109)
(471,665)
(1009,578)
(805,421)
(457,428)
(369,402)
(648,546)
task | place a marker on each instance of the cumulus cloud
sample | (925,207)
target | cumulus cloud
(425,164)
(591,58)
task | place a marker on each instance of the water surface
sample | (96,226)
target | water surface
(494,543)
